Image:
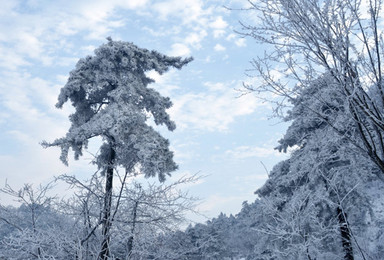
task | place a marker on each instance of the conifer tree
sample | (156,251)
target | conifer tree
(112,100)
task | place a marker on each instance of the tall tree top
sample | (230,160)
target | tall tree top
(111,99)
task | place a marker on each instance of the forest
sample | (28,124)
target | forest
(322,74)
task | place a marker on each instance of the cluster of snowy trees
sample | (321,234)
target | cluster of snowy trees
(46,227)
(325,202)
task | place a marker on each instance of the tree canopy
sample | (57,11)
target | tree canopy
(111,99)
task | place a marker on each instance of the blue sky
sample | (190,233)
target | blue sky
(219,134)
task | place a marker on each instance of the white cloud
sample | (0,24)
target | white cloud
(231,37)
(194,39)
(214,110)
(188,10)
(132,4)
(218,26)
(218,86)
(179,49)
(163,31)
(97,11)
(193,15)
(218,23)
(89,49)
(39,36)
(11,61)
(192,23)
(164,83)
(191,40)
(66,29)
(30,45)
(241,42)
(219,47)
(31,100)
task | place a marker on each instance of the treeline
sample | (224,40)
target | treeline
(46,227)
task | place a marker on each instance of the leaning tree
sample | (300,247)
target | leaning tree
(112,101)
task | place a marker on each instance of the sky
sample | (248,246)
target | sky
(226,137)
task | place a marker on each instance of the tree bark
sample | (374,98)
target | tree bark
(106,221)
(345,234)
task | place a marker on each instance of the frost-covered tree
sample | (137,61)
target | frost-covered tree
(35,229)
(112,100)
(342,38)
(140,212)
(320,200)
(219,238)
(45,227)
(331,50)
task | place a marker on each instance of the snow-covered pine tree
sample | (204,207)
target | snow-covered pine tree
(112,100)
(319,200)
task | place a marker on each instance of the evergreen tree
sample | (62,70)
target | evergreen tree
(313,196)
(110,94)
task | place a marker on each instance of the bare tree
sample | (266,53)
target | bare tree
(138,211)
(309,38)
(37,230)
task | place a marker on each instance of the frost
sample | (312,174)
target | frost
(111,97)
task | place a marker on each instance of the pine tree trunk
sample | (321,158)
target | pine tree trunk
(345,234)
(104,253)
